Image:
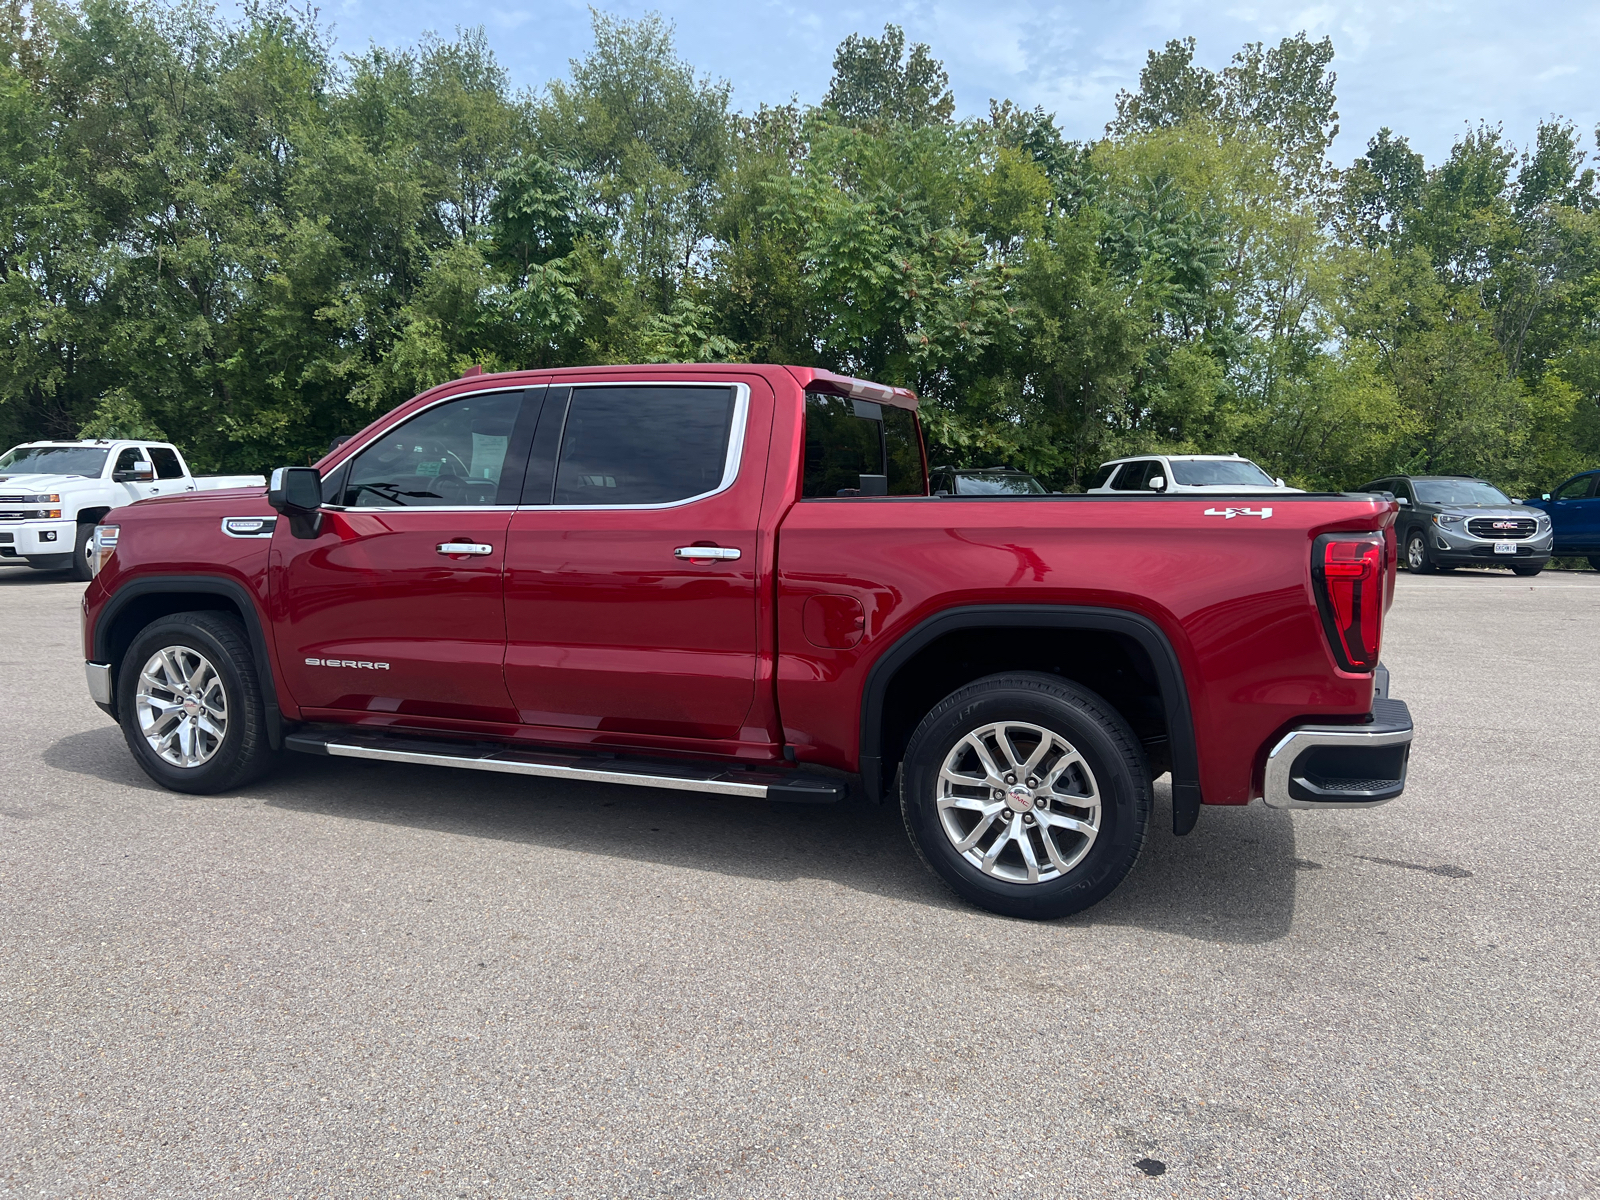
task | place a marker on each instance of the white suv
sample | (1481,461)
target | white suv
(1185,474)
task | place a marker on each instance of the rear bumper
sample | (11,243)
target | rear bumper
(1342,766)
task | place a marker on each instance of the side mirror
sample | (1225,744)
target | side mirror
(1402,502)
(1280,482)
(1158,483)
(1544,495)
(296,492)
(140,473)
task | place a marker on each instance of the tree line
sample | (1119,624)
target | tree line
(223,233)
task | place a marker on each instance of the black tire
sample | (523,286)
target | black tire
(1526,572)
(242,753)
(1419,558)
(82,566)
(1114,763)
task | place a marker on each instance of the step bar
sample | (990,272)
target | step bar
(717,779)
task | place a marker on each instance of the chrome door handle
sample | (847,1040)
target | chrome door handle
(464,548)
(707,553)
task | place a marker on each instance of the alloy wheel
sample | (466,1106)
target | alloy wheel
(181,706)
(1416,553)
(1018,802)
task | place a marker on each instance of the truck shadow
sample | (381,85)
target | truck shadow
(1231,880)
(12,575)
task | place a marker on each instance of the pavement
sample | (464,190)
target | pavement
(364,980)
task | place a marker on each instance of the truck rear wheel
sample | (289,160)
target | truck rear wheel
(189,701)
(1028,795)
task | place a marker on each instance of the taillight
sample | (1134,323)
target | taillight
(1348,571)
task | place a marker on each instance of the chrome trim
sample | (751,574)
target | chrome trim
(98,676)
(730,469)
(1281,759)
(464,548)
(730,466)
(716,787)
(263,526)
(707,553)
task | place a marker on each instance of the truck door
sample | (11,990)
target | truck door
(133,475)
(1575,514)
(381,613)
(631,566)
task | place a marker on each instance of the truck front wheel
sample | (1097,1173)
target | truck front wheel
(1028,795)
(189,701)
(82,567)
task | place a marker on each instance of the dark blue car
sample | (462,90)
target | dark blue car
(1574,510)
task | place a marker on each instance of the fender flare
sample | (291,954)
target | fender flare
(208,585)
(1142,630)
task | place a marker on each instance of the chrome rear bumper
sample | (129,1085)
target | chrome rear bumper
(1342,766)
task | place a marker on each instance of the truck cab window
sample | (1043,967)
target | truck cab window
(450,456)
(166,461)
(857,448)
(130,458)
(644,445)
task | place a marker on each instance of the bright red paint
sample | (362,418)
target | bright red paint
(583,628)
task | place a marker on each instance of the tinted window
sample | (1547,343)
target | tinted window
(1212,473)
(129,459)
(450,455)
(166,461)
(1103,474)
(54,460)
(1577,489)
(903,447)
(1133,475)
(844,441)
(1459,491)
(643,445)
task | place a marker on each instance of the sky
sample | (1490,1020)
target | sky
(1426,70)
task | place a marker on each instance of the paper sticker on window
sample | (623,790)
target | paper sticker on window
(427,468)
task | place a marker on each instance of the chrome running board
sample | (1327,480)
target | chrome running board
(717,779)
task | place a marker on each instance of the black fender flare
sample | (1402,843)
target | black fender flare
(1146,633)
(206,585)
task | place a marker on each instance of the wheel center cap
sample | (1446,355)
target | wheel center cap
(191,706)
(1019,798)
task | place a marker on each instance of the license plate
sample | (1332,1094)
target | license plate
(1505,547)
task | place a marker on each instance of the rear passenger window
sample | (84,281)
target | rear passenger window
(166,461)
(448,456)
(644,445)
(859,448)
(1103,474)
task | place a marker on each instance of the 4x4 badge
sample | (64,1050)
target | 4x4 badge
(1231,513)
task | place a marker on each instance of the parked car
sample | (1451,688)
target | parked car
(1196,474)
(52,493)
(984,481)
(1450,521)
(1574,512)
(732,579)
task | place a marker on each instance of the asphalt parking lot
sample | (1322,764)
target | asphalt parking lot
(373,980)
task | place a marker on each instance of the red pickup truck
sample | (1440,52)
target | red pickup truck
(732,579)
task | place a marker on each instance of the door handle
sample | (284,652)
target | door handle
(464,548)
(707,553)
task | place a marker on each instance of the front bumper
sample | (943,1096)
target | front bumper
(1343,766)
(1453,549)
(29,539)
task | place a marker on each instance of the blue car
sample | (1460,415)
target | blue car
(1574,510)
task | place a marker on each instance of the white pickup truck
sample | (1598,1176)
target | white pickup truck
(52,493)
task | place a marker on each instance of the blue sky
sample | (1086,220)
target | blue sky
(1425,69)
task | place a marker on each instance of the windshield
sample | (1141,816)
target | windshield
(998,485)
(1459,491)
(54,460)
(1213,472)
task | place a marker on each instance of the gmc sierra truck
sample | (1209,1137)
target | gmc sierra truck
(732,580)
(52,493)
